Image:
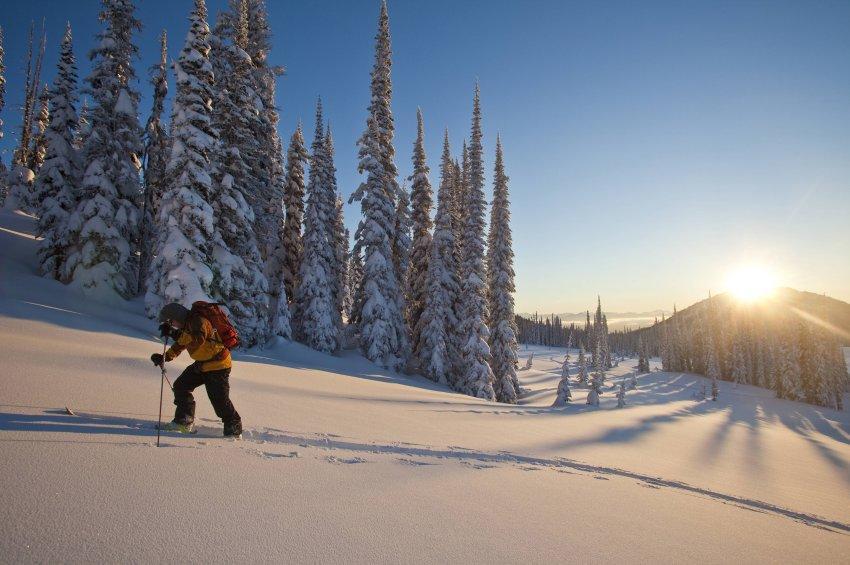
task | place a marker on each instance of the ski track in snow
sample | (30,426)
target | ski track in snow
(417,455)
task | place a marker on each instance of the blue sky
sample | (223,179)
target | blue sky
(652,146)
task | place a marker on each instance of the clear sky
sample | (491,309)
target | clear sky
(652,146)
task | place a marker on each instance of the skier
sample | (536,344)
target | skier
(211,368)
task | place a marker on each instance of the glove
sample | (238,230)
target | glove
(165,330)
(157,359)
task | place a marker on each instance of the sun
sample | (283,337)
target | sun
(750,283)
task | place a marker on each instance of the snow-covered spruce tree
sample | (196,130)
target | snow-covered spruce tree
(461,187)
(600,326)
(182,270)
(340,264)
(439,352)
(564,395)
(293,200)
(268,162)
(155,162)
(243,285)
(500,282)
(55,186)
(264,157)
(598,379)
(83,127)
(606,346)
(355,277)
(788,369)
(621,395)
(314,298)
(18,184)
(712,364)
(421,200)
(283,276)
(595,341)
(664,345)
(39,140)
(643,362)
(839,378)
(582,367)
(478,377)
(106,221)
(822,386)
(280,323)
(337,237)
(383,331)
(402,246)
(593,397)
(739,365)
(348,294)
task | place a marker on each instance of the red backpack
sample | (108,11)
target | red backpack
(212,311)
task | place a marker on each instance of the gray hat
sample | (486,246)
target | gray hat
(173,311)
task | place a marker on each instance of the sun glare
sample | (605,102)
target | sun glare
(751,283)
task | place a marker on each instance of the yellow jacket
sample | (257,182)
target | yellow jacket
(200,339)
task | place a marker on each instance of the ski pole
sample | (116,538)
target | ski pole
(161,387)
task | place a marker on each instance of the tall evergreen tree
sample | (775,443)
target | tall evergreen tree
(243,284)
(739,365)
(421,198)
(56,184)
(402,247)
(18,185)
(293,199)
(183,269)
(500,281)
(264,156)
(39,139)
(355,278)
(155,161)
(606,347)
(478,377)
(83,127)
(383,332)
(337,237)
(315,301)
(106,221)
(439,352)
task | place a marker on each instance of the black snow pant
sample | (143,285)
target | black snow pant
(218,389)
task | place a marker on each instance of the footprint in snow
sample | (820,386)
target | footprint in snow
(342,460)
(290,455)
(477,465)
(414,462)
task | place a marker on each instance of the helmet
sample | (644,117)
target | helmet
(173,311)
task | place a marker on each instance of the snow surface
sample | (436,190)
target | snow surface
(343,461)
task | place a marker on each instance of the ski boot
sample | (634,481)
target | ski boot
(233,430)
(179,427)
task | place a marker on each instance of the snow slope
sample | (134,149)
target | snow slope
(342,461)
